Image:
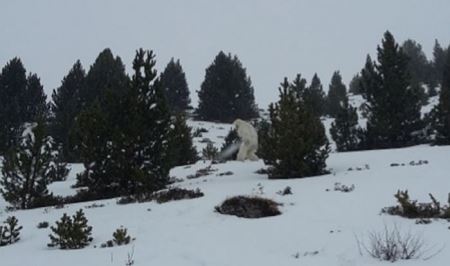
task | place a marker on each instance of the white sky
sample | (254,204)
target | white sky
(272,38)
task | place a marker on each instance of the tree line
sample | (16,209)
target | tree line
(128,131)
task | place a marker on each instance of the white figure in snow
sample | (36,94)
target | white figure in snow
(249,140)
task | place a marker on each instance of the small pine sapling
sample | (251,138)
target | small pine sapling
(71,233)
(9,233)
(210,152)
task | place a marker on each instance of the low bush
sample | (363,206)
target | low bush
(71,233)
(412,209)
(10,231)
(249,207)
(42,225)
(176,194)
(120,237)
(391,245)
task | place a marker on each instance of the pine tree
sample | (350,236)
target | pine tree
(65,107)
(442,110)
(355,85)
(314,97)
(418,68)
(13,86)
(106,74)
(176,91)
(27,168)
(295,144)
(231,139)
(393,105)
(35,100)
(439,55)
(227,92)
(182,151)
(10,231)
(337,93)
(71,233)
(344,130)
(125,146)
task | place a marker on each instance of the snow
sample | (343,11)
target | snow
(318,225)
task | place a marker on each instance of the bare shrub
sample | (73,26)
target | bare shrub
(391,244)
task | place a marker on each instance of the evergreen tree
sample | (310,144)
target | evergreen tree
(35,100)
(10,231)
(314,97)
(295,143)
(27,168)
(344,130)
(13,87)
(231,139)
(106,74)
(355,85)
(71,233)
(182,151)
(227,92)
(393,105)
(337,93)
(65,107)
(130,148)
(173,81)
(418,67)
(442,110)
(439,55)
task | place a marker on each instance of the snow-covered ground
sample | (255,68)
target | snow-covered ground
(317,227)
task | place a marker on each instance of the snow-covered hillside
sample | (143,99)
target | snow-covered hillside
(317,226)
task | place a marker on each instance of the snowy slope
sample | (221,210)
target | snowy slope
(314,220)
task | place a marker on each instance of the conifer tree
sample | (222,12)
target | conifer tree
(442,110)
(65,107)
(35,100)
(130,147)
(439,55)
(337,93)
(418,68)
(295,144)
(227,92)
(176,91)
(182,151)
(344,130)
(231,139)
(314,97)
(106,74)
(71,232)
(13,86)
(355,85)
(10,231)
(27,168)
(393,105)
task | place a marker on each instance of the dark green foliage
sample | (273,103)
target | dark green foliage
(249,207)
(231,138)
(106,75)
(10,231)
(22,100)
(295,144)
(337,94)
(124,141)
(182,151)
(65,107)
(227,92)
(439,58)
(441,112)
(314,97)
(419,68)
(27,168)
(59,170)
(175,87)
(121,237)
(42,225)
(210,152)
(71,233)
(176,194)
(412,209)
(355,85)
(393,105)
(344,130)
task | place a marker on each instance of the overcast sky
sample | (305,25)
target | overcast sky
(272,38)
